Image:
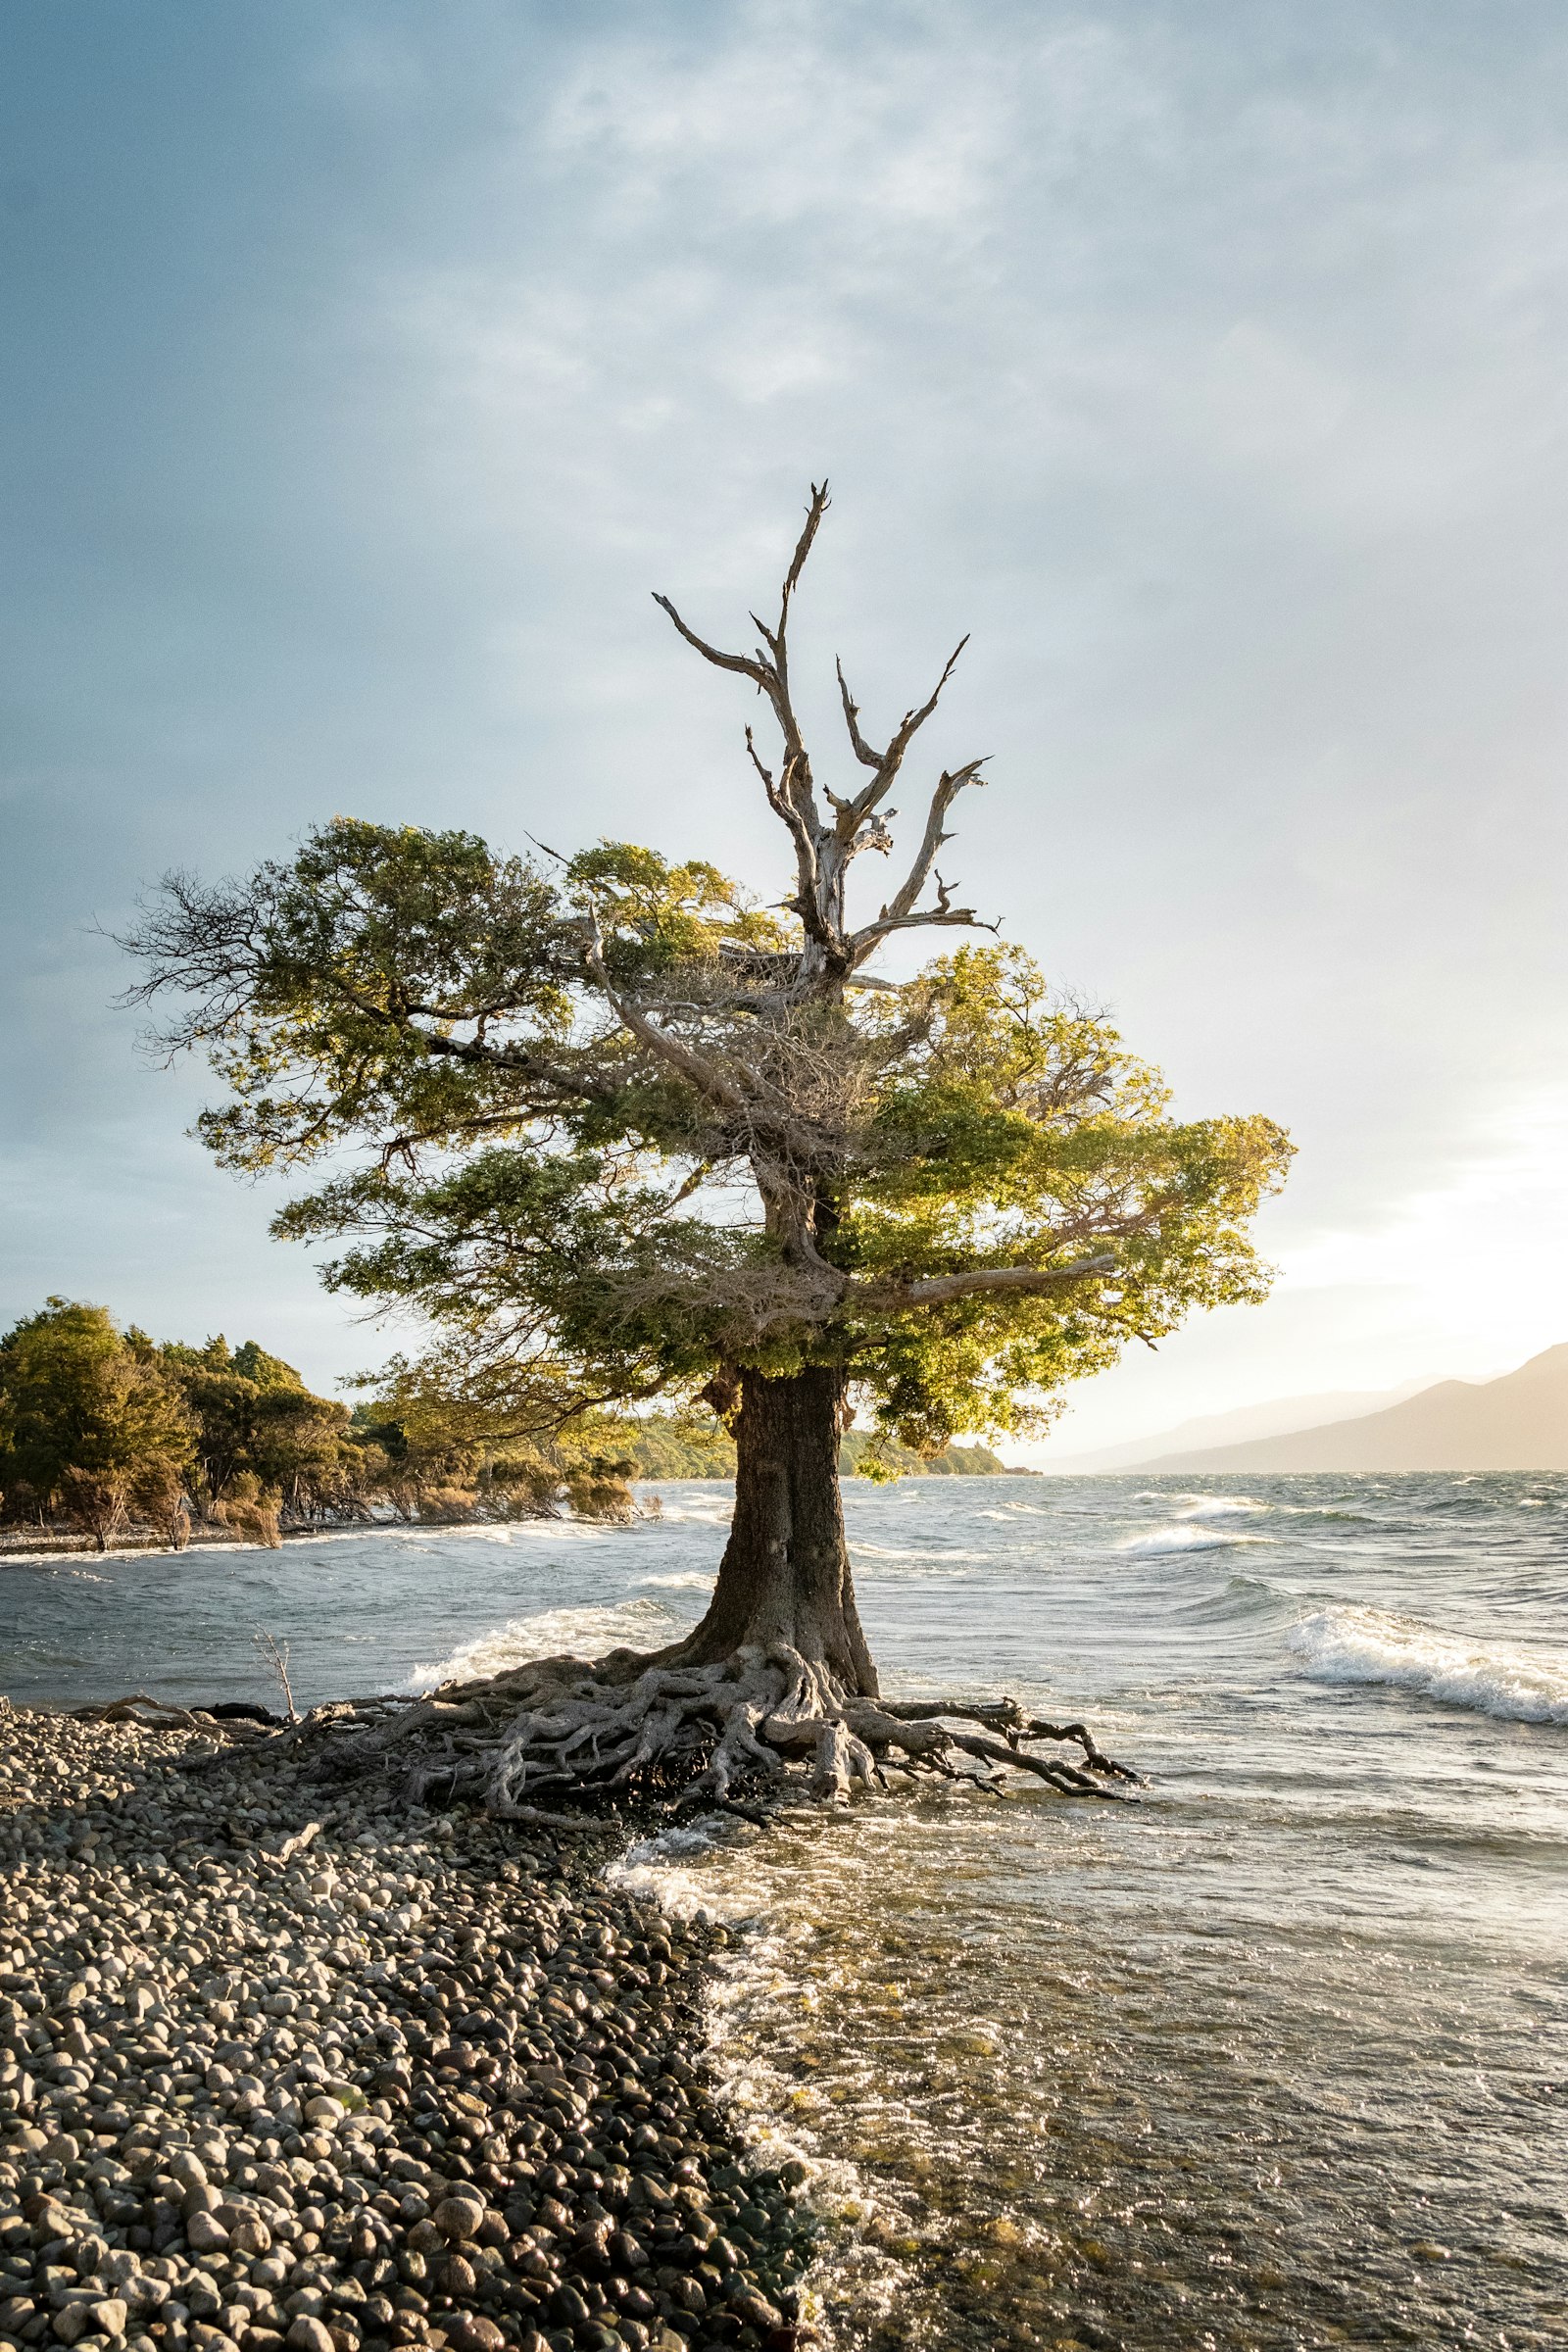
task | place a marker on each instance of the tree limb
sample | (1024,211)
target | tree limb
(1009,1281)
(899,914)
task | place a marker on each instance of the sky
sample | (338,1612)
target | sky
(368,365)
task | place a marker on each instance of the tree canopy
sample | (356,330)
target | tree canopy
(617,1129)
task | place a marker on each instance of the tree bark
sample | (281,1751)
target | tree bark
(785,1574)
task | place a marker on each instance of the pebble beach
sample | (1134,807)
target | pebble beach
(280,2067)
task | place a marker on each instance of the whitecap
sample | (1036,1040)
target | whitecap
(584,1631)
(1369,1645)
(1186,1538)
(693,1580)
(706,1510)
(1219,1507)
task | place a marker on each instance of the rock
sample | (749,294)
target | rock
(205,2233)
(471,2332)
(307,2334)
(754,2310)
(459,2217)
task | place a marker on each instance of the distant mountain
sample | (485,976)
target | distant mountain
(1269,1420)
(1519,1422)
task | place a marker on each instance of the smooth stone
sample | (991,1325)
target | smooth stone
(459,2217)
(310,2335)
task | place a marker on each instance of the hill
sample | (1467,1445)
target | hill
(1519,1422)
(1274,1418)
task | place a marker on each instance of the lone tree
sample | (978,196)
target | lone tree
(622,1132)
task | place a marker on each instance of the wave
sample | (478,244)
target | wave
(1370,1646)
(1242,1596)
(1219,1507)
(554,1632)
(1186,1537)
(717,1510)
(692,1580)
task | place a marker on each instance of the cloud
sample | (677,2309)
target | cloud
(1205,363)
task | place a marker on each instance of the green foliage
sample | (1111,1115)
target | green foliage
(694,1444)
(255,1420)
(90,1419)
(872,1454)
(691,1445)
(556,1090)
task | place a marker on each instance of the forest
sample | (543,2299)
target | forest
(108,1434)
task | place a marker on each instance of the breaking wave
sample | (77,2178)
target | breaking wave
(1368,1646)
(553,1632)
(1186,1537)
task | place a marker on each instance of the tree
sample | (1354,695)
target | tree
(256,1421)
(622,1132)
(90,1421)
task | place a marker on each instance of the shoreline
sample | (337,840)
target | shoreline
(284,2070)
(20,1546)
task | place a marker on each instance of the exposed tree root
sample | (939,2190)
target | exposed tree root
(630,1730)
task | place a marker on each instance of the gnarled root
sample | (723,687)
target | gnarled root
(639,1731)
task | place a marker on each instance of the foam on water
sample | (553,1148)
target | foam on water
(553,1632)
(1219,1507)
(698,1506)
(1186,1538)
(1371,1645)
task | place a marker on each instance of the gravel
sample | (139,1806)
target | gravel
(281,2069)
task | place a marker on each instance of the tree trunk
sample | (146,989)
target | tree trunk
(785,1575)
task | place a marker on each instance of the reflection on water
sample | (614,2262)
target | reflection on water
(1274,2056)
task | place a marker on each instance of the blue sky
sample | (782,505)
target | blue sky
(368,365)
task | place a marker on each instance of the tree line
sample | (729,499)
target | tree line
(106,1432)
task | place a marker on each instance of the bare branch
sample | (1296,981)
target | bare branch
(1009,1281)
(887,763)
(803,547)
(899,912)
(743,664)
(824,851)
(866,752)
(710,1083)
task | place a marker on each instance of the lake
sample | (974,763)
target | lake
(1272,2056)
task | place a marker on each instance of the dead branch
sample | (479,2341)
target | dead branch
(939,1290)
(825,850)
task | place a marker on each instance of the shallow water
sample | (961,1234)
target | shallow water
(1273,2056)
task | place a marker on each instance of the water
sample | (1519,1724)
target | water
(1273,2057)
